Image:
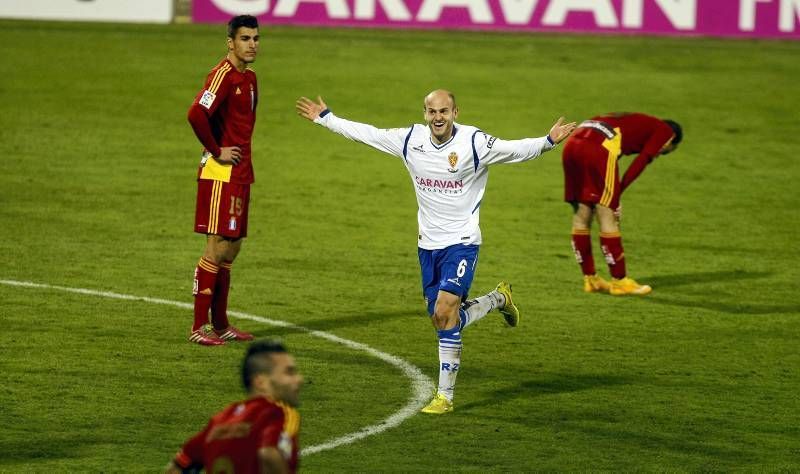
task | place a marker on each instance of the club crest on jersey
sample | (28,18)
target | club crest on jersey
(238,91)
(452,158)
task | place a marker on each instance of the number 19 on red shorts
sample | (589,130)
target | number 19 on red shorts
(222,208)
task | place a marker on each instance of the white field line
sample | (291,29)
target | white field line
(421,385)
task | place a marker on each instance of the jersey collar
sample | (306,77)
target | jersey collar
(439,147)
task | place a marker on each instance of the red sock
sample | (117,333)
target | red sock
(582,246)
(611,243)
(205,276)
(219,303)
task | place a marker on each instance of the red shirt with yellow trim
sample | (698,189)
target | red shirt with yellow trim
(224,114)
(640,133)
(232,438)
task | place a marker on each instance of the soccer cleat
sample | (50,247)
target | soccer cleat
(233,334)
(628,286)
(595,284)
(439,405)
(509,310)
(200,336)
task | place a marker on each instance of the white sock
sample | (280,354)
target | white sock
(449,360)
(481,306)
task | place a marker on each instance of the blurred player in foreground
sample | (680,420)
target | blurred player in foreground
(256,435)
(593,188)
(223,116)
(448,163)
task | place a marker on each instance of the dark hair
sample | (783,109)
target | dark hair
(248,21)
(258,359)
(676,129)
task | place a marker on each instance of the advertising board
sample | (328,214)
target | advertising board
(730,18)
(135,11)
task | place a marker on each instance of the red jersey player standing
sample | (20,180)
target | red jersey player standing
(593,187)
(255,435)
(223,116)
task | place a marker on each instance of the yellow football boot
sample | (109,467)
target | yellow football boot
(628,286)
(510,311)
(595,284)
(439,405)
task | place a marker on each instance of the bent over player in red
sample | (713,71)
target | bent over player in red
(222,116)
(259,434)
(593,187)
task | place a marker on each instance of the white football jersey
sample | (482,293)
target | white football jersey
(450,178)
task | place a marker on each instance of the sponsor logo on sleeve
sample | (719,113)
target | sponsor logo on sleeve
(490,143)
(207,99)
(285,445)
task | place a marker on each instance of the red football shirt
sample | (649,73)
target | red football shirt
(232,438)
(224,114)
(642,134)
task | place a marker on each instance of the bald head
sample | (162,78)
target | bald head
(440,113)
(438,96)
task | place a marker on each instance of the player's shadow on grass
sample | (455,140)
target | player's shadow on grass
(698,278)
(554,384)
(734,305)
(712,249)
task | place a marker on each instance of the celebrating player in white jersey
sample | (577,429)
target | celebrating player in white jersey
(448,163)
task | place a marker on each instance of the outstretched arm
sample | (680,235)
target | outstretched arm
(493,151)
(560,131)
(309,109)
(389,141)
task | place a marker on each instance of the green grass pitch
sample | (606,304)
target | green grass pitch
(97,192)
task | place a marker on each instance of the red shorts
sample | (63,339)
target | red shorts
(590,171)
(222,208)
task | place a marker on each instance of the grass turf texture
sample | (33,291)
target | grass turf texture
(98,192)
